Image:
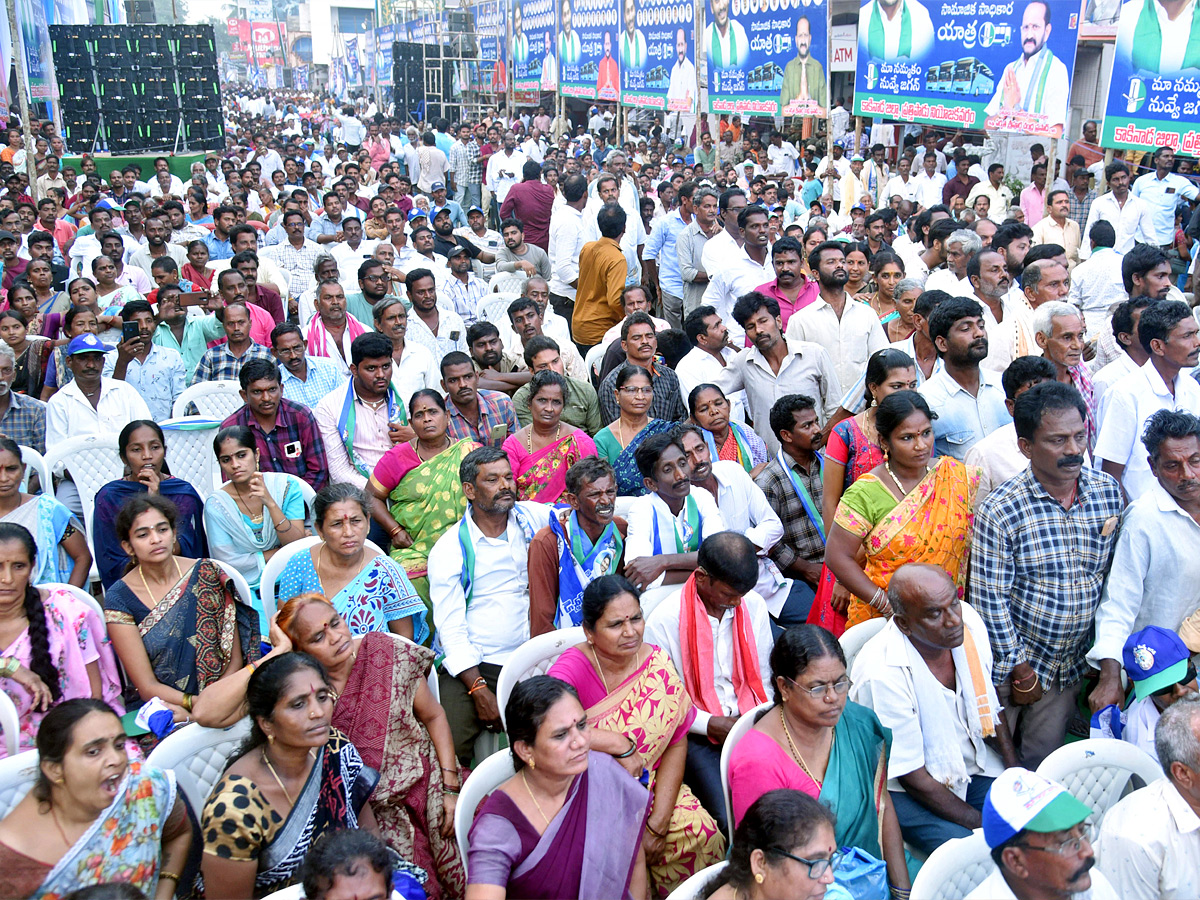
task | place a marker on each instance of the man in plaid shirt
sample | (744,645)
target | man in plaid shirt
(1044,540)
(224,361)
(487,417)
(467,166)
(286,433)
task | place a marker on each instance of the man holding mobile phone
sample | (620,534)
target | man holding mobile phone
(156,371)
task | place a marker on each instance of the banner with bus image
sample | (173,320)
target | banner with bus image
(998,66)
(767,57)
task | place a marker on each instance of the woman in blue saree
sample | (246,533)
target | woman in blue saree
(367,588)
(618,441)
(177,624)
(144,451)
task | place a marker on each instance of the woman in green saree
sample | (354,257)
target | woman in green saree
(814,740)
(415,490)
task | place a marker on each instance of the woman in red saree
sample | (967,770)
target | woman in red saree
(196,269)
(543,450)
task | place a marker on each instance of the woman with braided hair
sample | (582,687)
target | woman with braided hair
(53,647)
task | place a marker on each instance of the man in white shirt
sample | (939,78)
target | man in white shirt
(928,184)
(1096,283)
(1130,354)
(681,91)
(997,192)
(504,169)
(1150,840)
(832,168)
(1168,333)
(479,589)
(901,183)
(929,147)
(928,677)
(749,267)
(1035,83)
(567,237)
(848,330)
(997,454)
(710,354)
(1162,190)
(1036,831)
(719,598)
(1129,214)
(783,155)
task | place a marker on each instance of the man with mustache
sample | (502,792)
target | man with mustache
(479,590)
(803,77)
(581,407)
(579,545)
(997,455)
(1038,838)
(968,400)
(1155,577)
(927,675)
(717,603)
(1009,333)
(1037,82)
(1044,541)
(1059,331)
(484,416)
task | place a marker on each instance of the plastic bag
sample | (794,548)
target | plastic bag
(864,876)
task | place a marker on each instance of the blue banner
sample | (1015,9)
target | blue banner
(587,50)
(352,72)
(657,54)
(384,38)
(300,77)
(534,65)
(1154,91)
(968,63)
(767,57)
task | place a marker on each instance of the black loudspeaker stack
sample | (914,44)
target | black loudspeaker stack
(134,88)
(408,78)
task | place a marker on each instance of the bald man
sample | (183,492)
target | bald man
(928,676)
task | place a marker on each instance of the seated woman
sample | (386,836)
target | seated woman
(369,590)
(642,720)
(63,554)
(53,647)
(784,847)
(570,822)
(196,269)
(415,490)
(618,441)
(541,452)
(43,306)
(177,623)
(76,321)
(94,816)
(726,439)
(197,208)
(814,741)
(31,353)
(143,449)
(254,514)
(907,509)
(294,779)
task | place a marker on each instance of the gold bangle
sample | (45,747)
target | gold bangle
(171,875)
(187,703)
(653,832)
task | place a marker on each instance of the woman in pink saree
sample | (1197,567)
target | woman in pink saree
(543,450)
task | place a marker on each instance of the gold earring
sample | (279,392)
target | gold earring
(532,764)
(270,739)
(758,876)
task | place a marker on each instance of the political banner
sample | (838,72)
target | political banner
(352,70)
(264,37)
(534,64)
(368,52)
(490,24)
(999,66)
(1154,91)
(767,57)
(300,77)
(587,50)
(5,67)
(657,52)
(33,35)
(384,38)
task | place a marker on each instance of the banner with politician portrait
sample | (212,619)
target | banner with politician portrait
(1154,91)
(999,66)
(587,49)
(767,57)
(534,64)
(657,55)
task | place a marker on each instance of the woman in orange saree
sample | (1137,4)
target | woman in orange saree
(640,713)
(904,510)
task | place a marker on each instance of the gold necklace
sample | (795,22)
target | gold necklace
(242,503)
(279,781)
(150,593)
(417,448)
(796,753)
(529,436)
(888,467)
(531,797)
(58,825)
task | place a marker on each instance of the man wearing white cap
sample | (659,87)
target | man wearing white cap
(1039,843)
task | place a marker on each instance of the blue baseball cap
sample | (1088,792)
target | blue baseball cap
(436,186)
(475,209)
(417,214)
(1154,658)
(85,343)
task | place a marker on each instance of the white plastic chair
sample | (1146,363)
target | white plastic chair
(488,775)
(533,657)
(739,730)
(274,568)
(1100,771)
(692,888)
(17,776)
(295,892)
(189,452)
(10,723)
(35,462)
(213,399)
(198,756)
(494,308)
(94,462)
(954,869)
(506,282)
(78,593)
(853,639)
(243,589)
(592,361)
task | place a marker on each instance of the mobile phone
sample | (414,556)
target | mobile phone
(130,331)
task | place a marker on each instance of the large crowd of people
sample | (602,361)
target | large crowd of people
(712,398)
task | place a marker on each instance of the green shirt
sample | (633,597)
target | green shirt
(197,332)
(360,307)
(791,84)
(582,408)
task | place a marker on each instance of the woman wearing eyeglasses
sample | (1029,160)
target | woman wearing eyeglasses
(618,441)
(784,849)
(813,740)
